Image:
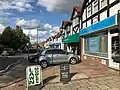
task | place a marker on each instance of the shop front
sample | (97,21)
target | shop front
(100,42)
(72,43)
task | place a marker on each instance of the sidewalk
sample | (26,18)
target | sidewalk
(98,83)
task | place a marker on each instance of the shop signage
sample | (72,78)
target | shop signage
(33,75)
(108,22)
(64,73)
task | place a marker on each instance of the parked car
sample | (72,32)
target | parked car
(57,56)
(5,53)
(35,57)
(8,52)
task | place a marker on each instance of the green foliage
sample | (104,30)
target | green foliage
(15,39)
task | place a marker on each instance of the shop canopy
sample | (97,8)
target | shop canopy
(72,39)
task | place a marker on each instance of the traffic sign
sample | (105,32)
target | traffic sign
(33,75)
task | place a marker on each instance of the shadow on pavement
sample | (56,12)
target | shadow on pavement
(72,74)
(46,80)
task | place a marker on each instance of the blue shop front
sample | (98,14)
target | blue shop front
(100,42)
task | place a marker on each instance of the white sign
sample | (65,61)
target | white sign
(33,75)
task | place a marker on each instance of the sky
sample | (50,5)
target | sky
(29,14)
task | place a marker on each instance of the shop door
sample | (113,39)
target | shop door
(115,48)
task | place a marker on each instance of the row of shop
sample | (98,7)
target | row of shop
(96,41)
(93,32)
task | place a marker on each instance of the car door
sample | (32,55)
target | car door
(59,56)
(49,55)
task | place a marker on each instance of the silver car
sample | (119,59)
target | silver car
(57,56)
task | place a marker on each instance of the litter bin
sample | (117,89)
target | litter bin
(64,72)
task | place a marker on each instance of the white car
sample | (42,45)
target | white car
(5,53)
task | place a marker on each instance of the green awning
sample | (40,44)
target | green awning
(72,39)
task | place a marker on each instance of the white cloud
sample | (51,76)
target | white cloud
(2,27)
(48,26)
(20,5)
(59,5)
(54,30)
(45,30)
(28,23)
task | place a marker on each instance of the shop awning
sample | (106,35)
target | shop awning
(72,39)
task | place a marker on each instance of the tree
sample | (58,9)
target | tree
(15,39)
(7,36)
(22,38)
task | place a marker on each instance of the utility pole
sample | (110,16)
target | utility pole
(37,41)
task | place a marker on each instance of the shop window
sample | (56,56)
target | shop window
(97,45)
(95,6)
(103,3)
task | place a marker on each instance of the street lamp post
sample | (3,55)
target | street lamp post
(37,27)
(37,42)
(28,49)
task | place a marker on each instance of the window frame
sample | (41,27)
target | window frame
(59,51)
(103,1)
(49,50)
(95,5)
(89,11)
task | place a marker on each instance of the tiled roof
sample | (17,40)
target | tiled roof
(67,22)
(77,9)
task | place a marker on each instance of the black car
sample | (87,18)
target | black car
(35,56)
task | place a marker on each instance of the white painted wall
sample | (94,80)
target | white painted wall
(62,44)
(103,15)
(84,25)
(84,14)
(114,9)
(71,30)
(89,0)
(111,1)
(78,31)
(88,22)
(75,21)
(80,24)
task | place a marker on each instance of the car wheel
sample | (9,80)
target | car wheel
(43,64)
(73,61)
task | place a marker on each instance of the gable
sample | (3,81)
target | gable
(75,14)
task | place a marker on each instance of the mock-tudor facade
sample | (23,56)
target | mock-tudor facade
(99,33)
(72,31)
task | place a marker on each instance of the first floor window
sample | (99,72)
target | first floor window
(89,10)
(103,3)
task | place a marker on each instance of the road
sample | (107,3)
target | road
(15,72)
(5,61)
